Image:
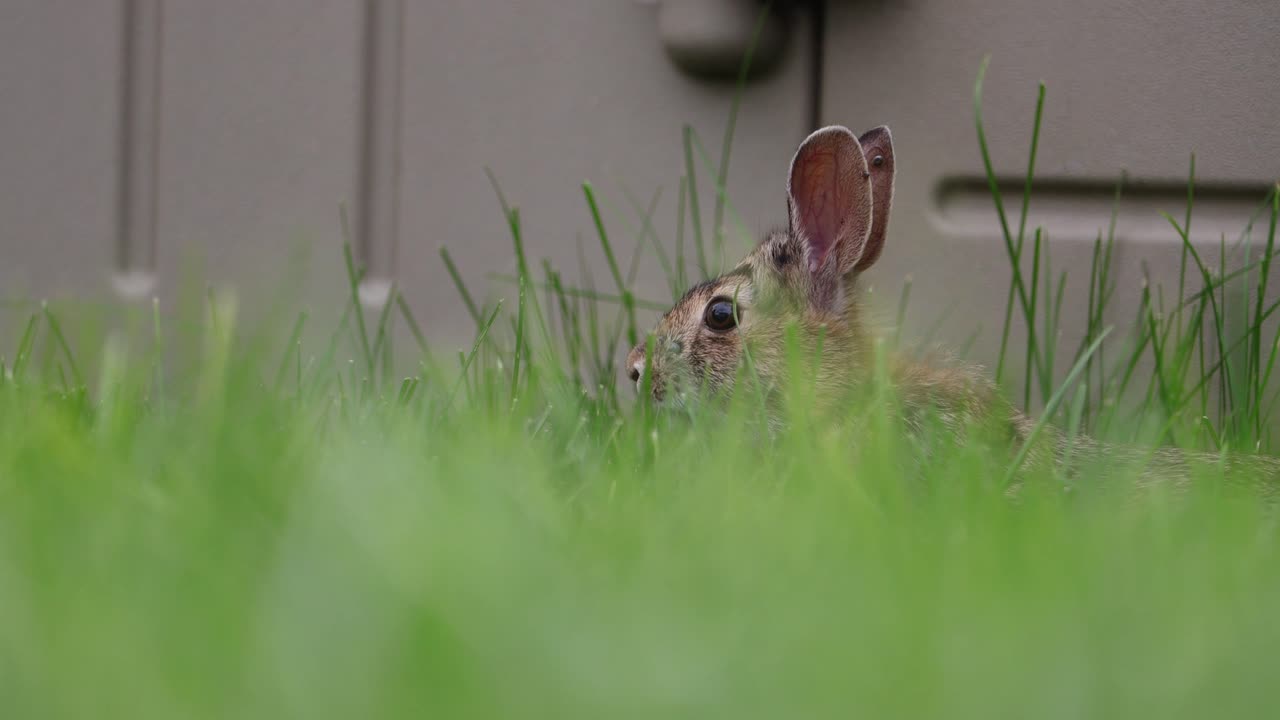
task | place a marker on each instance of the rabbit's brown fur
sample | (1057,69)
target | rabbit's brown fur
(839,194)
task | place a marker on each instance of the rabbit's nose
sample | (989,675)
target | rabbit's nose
(635,364)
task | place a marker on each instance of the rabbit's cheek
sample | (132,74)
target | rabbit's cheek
(668,366)
(713,358)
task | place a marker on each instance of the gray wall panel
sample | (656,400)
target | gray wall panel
(259,141)
(59,80)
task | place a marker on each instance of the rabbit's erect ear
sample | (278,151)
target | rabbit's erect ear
(877,148)
(829,189)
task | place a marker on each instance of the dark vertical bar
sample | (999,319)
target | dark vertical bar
(817,49)
(378,207)
(139,147)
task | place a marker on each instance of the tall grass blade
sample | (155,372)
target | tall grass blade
(471,356)
(722,177)
(25,346)
(414,329)
(354,277)
(472,309)
(1013,248)
(295,336)
(628,301)
(695,216)
(54,327)
(1051,408)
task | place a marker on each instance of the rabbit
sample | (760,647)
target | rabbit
(839,198)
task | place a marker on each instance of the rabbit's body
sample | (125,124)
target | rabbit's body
(803,279)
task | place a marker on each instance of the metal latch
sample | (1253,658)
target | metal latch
(710,38)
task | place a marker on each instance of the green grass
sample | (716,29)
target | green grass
(272,529)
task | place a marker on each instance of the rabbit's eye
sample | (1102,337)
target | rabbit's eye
(719,316)
(877,160)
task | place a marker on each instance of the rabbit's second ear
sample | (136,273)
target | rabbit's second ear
(877,148)
(829,189)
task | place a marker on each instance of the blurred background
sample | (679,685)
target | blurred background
(145,142)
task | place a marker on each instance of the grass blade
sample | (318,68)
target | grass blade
(354,277)
(722,177)
(682,278)
(1051,408)
(1013,247)
(695,216)
(520,342)
(382,341)
(25,346)
(295,338)
(52,321)
(628,302)
(471,356)
(461,286)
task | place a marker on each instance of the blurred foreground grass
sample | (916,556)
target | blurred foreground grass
(244,551)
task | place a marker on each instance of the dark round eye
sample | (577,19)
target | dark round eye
(877,160)
(719,316)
